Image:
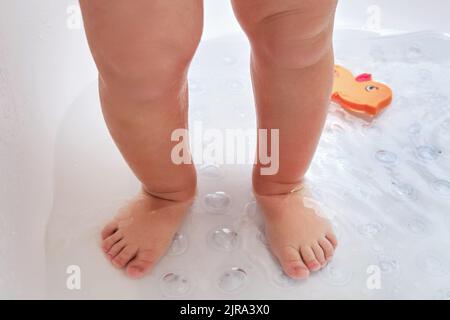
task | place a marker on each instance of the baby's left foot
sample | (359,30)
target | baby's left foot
(300,239)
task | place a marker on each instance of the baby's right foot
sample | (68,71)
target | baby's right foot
(142,232)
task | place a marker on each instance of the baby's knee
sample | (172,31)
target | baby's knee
(150,72)
(293,38)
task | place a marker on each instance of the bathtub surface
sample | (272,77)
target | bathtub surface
(385,184)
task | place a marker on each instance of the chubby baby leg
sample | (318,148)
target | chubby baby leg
(142,50)
(292,69)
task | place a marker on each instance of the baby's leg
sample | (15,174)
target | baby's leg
(292,68)
(142,49)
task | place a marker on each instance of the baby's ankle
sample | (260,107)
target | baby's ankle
(268,186)
(184,193)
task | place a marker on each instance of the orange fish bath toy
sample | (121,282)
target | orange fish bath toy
(360,94)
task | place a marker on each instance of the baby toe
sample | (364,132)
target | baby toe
(116,248)
(309,258)
(124,256)
(327,248)
(111,240)
(141,264)
(292,263)
(109,229)
(320,255)
(332,238)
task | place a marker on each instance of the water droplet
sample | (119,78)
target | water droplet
(442,187)
(233,280)
(223,238)
(217,202)
(434,263)
(428,152)
(335,129)
(386,157)
(418,226)
(179,245)
(175,285)
(403,189)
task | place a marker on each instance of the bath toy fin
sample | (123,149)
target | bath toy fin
(360,94)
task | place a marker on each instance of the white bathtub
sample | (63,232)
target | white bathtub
(46,72)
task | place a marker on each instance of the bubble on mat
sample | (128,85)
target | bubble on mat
(336,274)
(434,263)
(442,187)
(386,157)
(217,202)
(175,284)
(284,281)
(418,226)
(404,190)
(388,265)
(428,152)
(211,171)
(335,128)
(223,238)
(233,279)
(179,245)
(415,129)
(371,230)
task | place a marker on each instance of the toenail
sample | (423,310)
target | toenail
(136,272)
(300,273)
(116,263)
(300,269)
(313,265)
